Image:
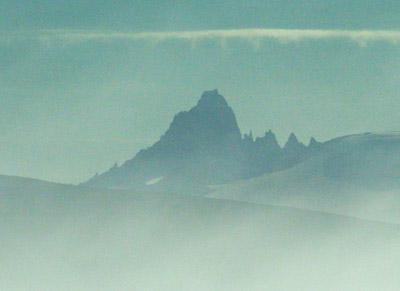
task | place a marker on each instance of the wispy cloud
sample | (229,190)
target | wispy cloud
(253,36)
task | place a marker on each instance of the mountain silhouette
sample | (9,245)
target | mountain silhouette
(202,146)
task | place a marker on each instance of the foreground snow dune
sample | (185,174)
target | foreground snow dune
(59,237)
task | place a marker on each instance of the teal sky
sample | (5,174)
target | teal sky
(81,86)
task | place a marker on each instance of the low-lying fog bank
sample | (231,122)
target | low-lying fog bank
(58,237)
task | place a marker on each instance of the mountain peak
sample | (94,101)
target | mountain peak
(293,145)
(202,146)
(210,120)
(248,137)
(293,139)
(313,143)
(212,99)
(269,135)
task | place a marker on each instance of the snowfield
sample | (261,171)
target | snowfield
(154,181)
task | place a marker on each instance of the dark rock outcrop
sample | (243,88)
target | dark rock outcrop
(202,146)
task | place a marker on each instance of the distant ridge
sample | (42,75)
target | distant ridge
(203,146)
(356,175)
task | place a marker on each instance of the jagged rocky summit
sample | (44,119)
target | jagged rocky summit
(203,146)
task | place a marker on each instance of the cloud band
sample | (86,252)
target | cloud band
(252,35)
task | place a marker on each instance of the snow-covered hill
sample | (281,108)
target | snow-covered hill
(357,175)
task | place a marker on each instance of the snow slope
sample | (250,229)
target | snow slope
(357,175)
